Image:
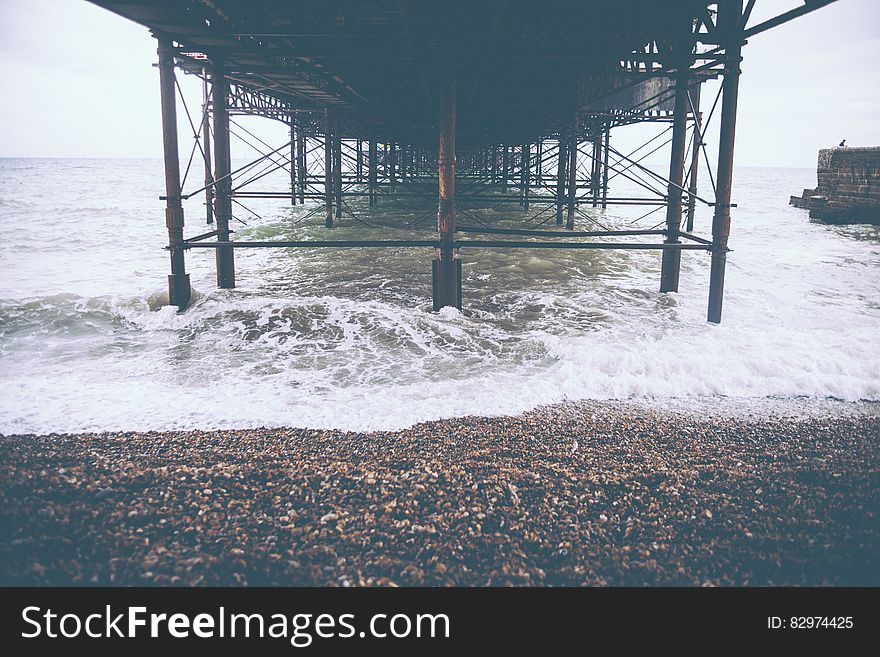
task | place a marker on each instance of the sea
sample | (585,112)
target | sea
(346,338)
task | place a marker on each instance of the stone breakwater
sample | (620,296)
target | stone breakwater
(576,494)
(848,190)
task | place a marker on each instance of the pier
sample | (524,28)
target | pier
(503,103)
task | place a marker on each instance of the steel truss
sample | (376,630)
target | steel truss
(333,155)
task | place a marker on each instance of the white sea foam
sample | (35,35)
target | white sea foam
(347,340)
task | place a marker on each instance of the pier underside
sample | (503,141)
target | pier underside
(502,102)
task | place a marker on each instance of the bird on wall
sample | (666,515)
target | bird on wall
(842,143)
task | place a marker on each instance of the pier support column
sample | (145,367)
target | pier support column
(392,166)
(539,162)
(206,150)
(560,180)
(404,157)
(572,173)
(328,173)
(373,164)
(223,176)
(605,167)
(179,291)
(696,143)
(596,175)
(505,163)
(301,163)
(359,174)
(669,272)
(729,14)
(526,174)
(293,161)
(337,168)
(447,268)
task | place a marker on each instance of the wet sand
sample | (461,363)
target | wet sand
(575,494)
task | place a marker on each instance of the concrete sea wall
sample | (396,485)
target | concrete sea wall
(848,188)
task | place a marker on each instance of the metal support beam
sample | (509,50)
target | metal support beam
(539,162)
(572,173)
(222,174)
(337,168)
(605,167)
(671,265)
(525,175)
(301,164)
(392,165)
(178,281)
(596,169)
(560,180)
(373,164)
(728,21)
(696,145)
(293,160)
(206,150)
(505,164)
(446,268)
(328,172)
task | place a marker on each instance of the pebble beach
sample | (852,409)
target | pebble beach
(572,494)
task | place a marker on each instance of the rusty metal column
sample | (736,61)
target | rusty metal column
(359,175)
(572,173)
(560,179)
(526,174)
(729,23)
(392,166)
(223,175)
(179,291)
(373,162)
(539,162)
(301,163)
(597,168)
(605,167)
(669,272)
(505,164)
(446,268)
(328,173)
(403,160)
(206,149)
(696,143)
(337,167)
(292,161)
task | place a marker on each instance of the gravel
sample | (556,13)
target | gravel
(574,494)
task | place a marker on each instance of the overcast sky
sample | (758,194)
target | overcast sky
(78,82)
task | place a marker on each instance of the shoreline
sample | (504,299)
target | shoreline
(579,493)
(684,409)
